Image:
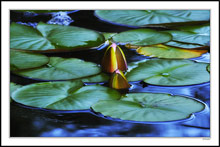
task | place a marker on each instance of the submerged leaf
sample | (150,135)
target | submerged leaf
(147,17)
(49,37)
(23,60)
(142,37)
(149,107)
(118,80)
(169,72)
(63,95)
(62,69)
(163,51)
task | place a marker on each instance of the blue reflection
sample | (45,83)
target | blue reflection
(127,130)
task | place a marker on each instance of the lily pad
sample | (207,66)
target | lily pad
(23,60)
(61,69)
(101,77)
(142,37)
(108,36)
(183,45)
(163,51)
(50,37)
(14,87)
(194,34)
(141,18)
(149,107)
(63,95)
(166,72)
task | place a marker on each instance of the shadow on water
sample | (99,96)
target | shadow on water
(30,122)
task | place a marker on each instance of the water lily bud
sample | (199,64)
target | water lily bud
(114,59)
(118,80)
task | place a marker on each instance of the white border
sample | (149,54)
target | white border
(88,5)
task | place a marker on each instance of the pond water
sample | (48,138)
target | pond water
(34,122)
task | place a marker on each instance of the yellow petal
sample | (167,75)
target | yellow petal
(118,80)
(109,61)
(113,59)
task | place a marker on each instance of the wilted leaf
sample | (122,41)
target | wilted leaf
(163,51)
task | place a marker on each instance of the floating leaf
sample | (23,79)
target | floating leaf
(193,34)
(14,87)
(147,17)
(149,107)
(183,45)
(163,51)
(102,77)
(108,35)
(23,60)
(62,69)
(63,95)
(166,72)
(142,37)
(50,37)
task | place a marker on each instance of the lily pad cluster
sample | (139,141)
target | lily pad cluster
(41,67)
(67,89)
(72,95)
(181,43)
(53,37)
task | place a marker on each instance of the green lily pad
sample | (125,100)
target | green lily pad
(23,60)
(149,107)
(142,37)
(194,34)
(166,72)
(101,77)
(50,37)
(61,69)
(108,36)
(147,17)
(63,95)
(163,51)
(183,45)
(14,87)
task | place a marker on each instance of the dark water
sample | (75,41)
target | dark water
(31,122)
